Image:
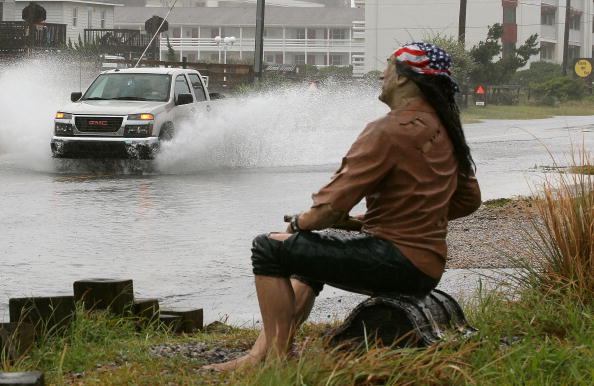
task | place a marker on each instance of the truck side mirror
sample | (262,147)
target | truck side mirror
(184,99)
(216,95)
(75,96)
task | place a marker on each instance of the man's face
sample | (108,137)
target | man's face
(389,78)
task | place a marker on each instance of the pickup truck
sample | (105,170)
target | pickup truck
(127,113)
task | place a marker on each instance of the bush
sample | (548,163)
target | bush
(561,89)
(539,72)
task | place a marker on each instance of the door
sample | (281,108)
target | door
(201,99)
(182,112)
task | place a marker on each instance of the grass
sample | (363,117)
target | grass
(549,316)
(476,114)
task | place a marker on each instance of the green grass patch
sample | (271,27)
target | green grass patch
(476,114)
(583,169)
(497,202)
(557,347)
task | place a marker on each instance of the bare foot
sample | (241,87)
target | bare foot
(233,365)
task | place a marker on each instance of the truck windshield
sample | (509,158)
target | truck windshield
(125,86)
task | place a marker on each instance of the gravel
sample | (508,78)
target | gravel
(216,352)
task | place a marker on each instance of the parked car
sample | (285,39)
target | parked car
(127,113)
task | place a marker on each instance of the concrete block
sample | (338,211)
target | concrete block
(147,309)
(32,378)
(173,322)
(102,294)
(192,318)
(46,313)
(16,339)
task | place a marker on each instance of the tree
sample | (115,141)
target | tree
(463,63)
(500,71)
(170,51)
(539,72)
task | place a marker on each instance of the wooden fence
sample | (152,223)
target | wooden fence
(221,77)
(15,36)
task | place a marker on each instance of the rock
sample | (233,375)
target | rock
(192,318)
(16,339)
(33,378)
(102,294)
(44,313)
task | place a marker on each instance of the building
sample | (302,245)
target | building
(389,23)
(293,35)
(77,15)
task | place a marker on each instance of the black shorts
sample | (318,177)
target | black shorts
(359,262)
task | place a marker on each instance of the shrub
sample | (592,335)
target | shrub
(563,245)
(539,72)
(562,89)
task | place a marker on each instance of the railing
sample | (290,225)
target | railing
(268,43)
(14,36)
(548,32)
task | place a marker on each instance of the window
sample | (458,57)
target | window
(575,22)
(151,87)
(336,60)
(90,18)
(574,53)
(547,51)
(509,15)
(103,19)
(74,16)
(177,32)
(269,59)
(300,33)
(338,34)
(194,33)
(187,33)
(548,15)
(181,86)
(299,59)
(198,87)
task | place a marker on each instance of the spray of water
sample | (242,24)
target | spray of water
(283,127)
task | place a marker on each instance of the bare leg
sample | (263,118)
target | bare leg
(284,305)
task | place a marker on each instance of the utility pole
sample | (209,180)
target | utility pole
(462,23)
(259,51)
(566,36)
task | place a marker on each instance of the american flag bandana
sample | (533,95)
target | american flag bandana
(426,59)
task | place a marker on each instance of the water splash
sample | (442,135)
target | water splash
(284,127)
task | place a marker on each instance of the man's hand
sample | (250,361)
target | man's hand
(349,223)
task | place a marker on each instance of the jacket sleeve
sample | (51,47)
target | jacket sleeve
(368,161)
(467,197)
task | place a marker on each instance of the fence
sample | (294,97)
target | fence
(221,77)
(15,36)
(122,42)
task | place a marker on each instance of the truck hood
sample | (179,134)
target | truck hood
(113,107)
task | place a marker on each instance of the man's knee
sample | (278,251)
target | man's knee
(266,259)
(279,236)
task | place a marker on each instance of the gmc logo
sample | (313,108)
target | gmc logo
(98,123)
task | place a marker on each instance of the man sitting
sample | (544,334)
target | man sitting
(415,171)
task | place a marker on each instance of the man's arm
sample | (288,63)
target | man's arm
(323,216)
(466,198)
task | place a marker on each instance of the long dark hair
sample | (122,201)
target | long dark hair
(439,92)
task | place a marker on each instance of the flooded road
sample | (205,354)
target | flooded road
(182,226)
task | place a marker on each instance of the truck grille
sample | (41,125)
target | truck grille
(98,124)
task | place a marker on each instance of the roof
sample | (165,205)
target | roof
(115,3)
(149,70)
(243,16)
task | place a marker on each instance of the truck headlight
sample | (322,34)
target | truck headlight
(63,129)
(138,131)
(61,115)
(141,117)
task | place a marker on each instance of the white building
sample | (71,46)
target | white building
(293,35)
(78,15)
(390,23)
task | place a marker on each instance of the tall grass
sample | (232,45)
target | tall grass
(561,257)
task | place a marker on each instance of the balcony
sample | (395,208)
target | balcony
(309,45)
(14,36)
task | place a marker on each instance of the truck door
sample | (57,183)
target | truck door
(182,112)
(200,96)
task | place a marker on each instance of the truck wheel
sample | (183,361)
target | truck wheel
(167,132)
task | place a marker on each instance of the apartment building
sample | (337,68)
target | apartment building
(321,36)
(389,23)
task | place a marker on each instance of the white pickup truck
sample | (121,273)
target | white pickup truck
(126,113)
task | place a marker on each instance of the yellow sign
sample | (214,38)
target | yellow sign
(583,68)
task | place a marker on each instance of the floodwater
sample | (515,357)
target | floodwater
(182,226)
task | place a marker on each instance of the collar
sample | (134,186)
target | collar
(414,104)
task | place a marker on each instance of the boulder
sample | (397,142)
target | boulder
(46,313)
(105,294)
(32,378)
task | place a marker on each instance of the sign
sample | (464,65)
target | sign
(480,90)
(583,68)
